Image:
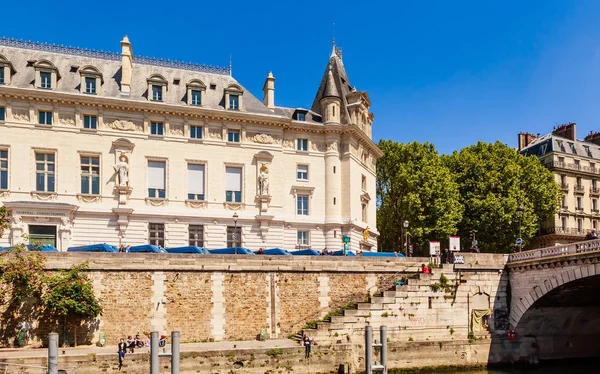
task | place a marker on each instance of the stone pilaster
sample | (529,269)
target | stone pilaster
(218,312)
(97,277)
(158,320)
(324,298)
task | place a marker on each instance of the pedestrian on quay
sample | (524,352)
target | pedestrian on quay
(307,344)
(121,350)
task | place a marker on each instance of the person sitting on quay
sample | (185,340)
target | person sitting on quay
(425,269)
(130,344)
(260,251)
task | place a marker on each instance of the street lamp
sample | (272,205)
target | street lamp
(520,211)
(406,236)
(234,236)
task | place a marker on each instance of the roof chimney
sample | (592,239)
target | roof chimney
(126,65)
(593,137)
(525,138)
(269,91)
(566,131)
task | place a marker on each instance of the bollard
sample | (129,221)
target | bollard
(53,353)
(383,354)
(175,356)
(368,349)
(154,352)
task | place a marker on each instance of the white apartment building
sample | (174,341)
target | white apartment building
(100,147)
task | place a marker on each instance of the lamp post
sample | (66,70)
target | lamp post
(406,236)
(234,236)
(520,211)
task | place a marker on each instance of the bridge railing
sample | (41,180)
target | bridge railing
(558,250)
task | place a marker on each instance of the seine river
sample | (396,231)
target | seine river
(549,368)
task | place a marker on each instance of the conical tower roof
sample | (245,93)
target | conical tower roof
(334,83)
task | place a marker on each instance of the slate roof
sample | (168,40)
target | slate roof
(552,143)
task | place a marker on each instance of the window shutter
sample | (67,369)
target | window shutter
(196,179)
(233,179)
(302,168)
(156,175)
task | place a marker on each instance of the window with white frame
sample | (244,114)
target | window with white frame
(302,205)
(157,128)
(196,235)
(302,172)
(595,205)
(563,223)
(90,85)
(90,122)
(365,208)
(157,87)
(91,80)
(46,74)
(234,102)
(302,145)
(45,117)
(363,182)
(196,132)
(156,234)
(579,225)
(303,238)
(157,94)
(579,203)
(156,179)
(233,97)
(90,175)
(45,171)
(3,169)
(196,182)
(2,113)
(233,136)
(6,69)
(195,92)
(233,184)
(196,98)
(234,236)
(45,80)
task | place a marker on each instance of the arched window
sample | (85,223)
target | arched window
(233,97)
(46,75)
(6,70)
(91,80)
(195,92)
(157,87)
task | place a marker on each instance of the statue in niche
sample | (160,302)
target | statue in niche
(263,180)
(122,168)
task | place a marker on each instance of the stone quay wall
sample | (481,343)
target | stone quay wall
(215,298)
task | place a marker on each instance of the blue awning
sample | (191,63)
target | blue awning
(187,249)
(94,248)
(146,248)
(231,251)
(275,252)
(33,247)
(305,252)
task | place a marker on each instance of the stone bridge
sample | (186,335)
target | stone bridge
(555,298)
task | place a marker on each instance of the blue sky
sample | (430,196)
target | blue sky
(450,73)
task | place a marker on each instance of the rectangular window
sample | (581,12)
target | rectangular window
(234,236)
(579,182)
(233,136)
(90,85)
(45,80)
(196,97)
(594,204)
(45,169)
(1,74)
(594,184)
(45,118)
(302,205)
(301,117)
(156,233)
(564,201)
(302,238)
(302,172)
(579,225)
(563,222)
(234,102)
(3,169)
(157,92)
(157,128)
(363,182)
(364,212)
(302,145)
(156,179)
(195,182)
(90,122)
(595,225)
(196,132)
(578,202)
(2,113)
(90,175)
(233,185)
(196,235)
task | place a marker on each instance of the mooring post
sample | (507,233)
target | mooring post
(154,352)
(175,356)
(368,349)
(53,353)
(383,354)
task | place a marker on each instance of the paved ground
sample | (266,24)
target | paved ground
(189,347)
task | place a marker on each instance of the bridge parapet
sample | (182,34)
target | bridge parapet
(555,251)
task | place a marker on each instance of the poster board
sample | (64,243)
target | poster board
(454,244)
(434,248)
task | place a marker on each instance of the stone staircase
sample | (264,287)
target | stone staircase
(411,312)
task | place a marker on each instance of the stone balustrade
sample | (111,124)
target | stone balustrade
(559,250)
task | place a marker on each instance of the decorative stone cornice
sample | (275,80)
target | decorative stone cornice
(44,196)
(89,198)
(156,202)
(196,204)
(234,206)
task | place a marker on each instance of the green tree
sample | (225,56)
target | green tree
(494,180)
(414,185)
(5,214)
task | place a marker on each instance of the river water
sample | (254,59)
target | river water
(587,367)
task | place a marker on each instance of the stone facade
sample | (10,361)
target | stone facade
(111,148)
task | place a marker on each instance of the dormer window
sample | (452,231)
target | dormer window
(91,80)
(233,97)
(157,87)
(46,75)
(301,117)
(6,70)
(195,92)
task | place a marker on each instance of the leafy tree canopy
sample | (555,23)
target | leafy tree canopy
(413,184)
(494,180)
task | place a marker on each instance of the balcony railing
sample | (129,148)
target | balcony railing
(577,167)
(564,187)
(578,189)
(562,230)
(594,191)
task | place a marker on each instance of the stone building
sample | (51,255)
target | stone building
(105,147)
(576,167)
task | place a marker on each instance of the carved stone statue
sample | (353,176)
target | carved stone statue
(17,222)
(122,168)
(65,224)
(263,180)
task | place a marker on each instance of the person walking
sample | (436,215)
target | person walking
(307,344)
(121,349)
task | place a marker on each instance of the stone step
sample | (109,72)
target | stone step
(383,300)
(389,293)
(356,312)
(369,306)
(346,319)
